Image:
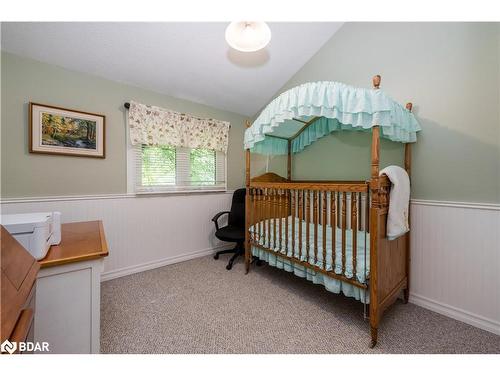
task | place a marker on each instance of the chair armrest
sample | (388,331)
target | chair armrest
(215,219)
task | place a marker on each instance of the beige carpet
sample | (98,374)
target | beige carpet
(199,307)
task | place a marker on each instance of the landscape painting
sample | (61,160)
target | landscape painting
(68,132)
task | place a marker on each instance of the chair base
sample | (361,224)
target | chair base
(237,250)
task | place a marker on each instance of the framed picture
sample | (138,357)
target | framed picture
(62,131)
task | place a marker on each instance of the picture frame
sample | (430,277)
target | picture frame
(62,131)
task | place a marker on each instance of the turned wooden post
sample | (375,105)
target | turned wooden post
(289,161)
(354,228)
(375,152)
(344,227)
(406,292)
(374,232)
(333,225)
(409,107)
(248,255)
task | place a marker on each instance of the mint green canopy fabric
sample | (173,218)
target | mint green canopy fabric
(327,107)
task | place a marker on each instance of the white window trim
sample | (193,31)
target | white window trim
(131,177)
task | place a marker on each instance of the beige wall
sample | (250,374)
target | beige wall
(31,175)
(451,73)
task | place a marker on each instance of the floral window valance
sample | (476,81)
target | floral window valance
(157,126)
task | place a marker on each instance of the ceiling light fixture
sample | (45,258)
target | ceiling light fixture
(248,36)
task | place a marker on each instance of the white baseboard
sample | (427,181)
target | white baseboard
(456,313)
(158,263)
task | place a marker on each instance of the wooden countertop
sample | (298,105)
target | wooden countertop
(79,241)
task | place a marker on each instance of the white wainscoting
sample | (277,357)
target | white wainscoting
(455,268)
(142,232)
(455,261)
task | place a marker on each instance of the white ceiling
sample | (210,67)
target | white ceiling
(186,60)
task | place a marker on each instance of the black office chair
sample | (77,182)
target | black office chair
(234,231)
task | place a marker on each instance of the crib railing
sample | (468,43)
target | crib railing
(283,213)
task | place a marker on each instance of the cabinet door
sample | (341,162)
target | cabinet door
(64,311)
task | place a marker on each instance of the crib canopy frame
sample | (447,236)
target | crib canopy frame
(389,260)
(300,116)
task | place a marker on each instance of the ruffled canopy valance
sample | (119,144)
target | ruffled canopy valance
(157,126)
(312,110)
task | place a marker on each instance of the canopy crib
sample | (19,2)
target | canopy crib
(330,232)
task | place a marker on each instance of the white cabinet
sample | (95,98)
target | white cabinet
(68,290)
(67,313)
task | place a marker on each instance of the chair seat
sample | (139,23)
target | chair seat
(230,233)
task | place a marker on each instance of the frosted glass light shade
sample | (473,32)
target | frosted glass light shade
(248,36)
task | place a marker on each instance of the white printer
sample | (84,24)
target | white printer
(35,231)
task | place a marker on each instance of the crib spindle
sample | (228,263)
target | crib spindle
(354,227)
(268,217)
(339,211)
(274,216)
(360,210)
(292,203)
(263,216)
(300,192)
(258,215)
(287,198)
(251,215)
(367,211)
(323,221)
(280,215)
(344,225)
(316,221)
(333,225)
(255,218)
(308,220)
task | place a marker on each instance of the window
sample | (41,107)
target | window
(160,169)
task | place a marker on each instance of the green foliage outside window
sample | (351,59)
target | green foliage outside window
(158,165)
(202,166)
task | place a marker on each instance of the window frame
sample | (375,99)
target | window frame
(132,154)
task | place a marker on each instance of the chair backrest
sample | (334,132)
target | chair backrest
(237,214)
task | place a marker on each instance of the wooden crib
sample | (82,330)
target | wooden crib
(277,206)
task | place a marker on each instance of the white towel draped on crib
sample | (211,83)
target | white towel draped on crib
(399,201)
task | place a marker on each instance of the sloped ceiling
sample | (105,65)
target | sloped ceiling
(187,60)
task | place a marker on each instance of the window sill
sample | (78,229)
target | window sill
(181,192)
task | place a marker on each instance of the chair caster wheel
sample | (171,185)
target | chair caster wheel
(229,266)
(216,256)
